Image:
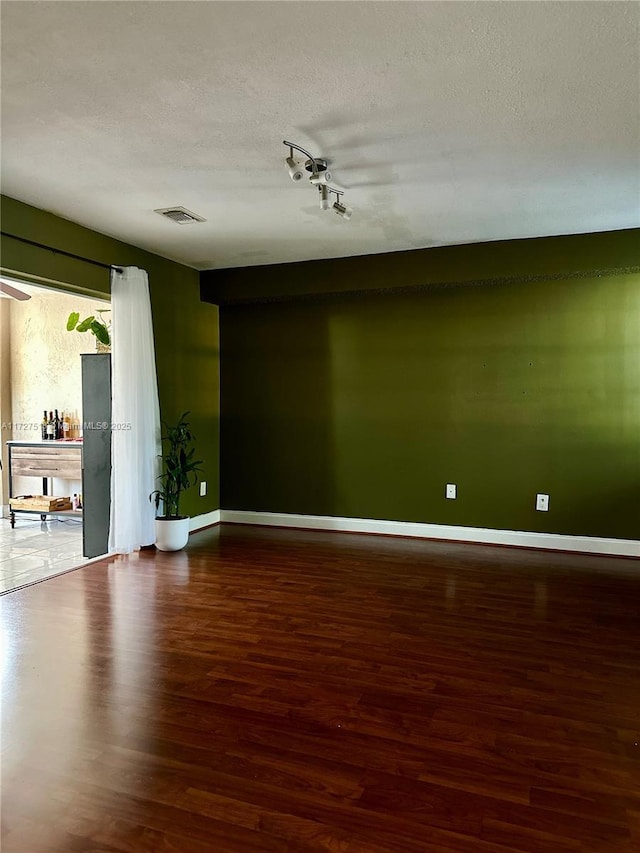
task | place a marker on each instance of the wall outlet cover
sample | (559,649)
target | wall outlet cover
(542,503)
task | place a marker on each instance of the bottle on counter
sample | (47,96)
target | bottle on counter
(43,425)
(66,426)
(50,428)
(56,426)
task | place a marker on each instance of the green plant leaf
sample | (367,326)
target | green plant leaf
(72,322)
(101,332)
(85,325)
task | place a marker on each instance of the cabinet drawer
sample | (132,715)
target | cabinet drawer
(62,462)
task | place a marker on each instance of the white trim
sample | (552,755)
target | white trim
(518,538)
(204,520)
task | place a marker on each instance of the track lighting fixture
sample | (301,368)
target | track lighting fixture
(295,172)
(322,178)
(341,209)
(319,177)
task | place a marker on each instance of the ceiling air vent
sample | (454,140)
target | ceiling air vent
(180,215)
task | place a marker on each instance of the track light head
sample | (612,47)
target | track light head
(296,173)
(342,210)
(324,198)
(321,178)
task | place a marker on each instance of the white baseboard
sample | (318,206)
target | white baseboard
(518,538)
(204,520)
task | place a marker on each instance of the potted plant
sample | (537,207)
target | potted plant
(179,472)
(96,326)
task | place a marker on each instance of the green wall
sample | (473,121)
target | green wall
(360,386)
(542,258)
(367,404)
(186,330)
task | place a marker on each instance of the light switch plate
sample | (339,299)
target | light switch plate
(452,491)
(203,489)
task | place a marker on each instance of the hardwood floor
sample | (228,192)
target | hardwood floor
(274,690)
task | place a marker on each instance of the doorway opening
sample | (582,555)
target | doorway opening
(40,372)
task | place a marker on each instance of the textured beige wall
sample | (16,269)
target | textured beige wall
(45,365)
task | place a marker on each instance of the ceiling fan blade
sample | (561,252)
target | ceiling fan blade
(13,292)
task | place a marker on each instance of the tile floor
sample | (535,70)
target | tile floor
(37,549)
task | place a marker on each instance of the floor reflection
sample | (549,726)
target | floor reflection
(35,550)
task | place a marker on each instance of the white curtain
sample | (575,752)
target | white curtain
(135,439)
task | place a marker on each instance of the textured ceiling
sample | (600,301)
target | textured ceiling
(445,122)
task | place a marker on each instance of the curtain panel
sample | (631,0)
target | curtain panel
(135,438)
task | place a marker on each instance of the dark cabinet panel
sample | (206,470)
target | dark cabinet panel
(96,454)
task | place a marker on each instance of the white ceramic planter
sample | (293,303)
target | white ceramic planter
(172,534)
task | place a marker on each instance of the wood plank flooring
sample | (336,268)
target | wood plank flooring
(276,690)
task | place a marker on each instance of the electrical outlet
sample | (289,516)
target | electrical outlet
(203,489)
(542,503)
(452,491)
